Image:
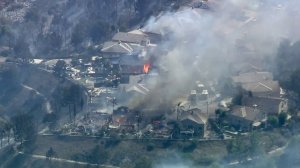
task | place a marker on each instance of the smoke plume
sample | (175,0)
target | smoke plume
(201,44)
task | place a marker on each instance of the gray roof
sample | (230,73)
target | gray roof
(139,88)
(194,115)
(246,68)
(136,85)
(252,77)
(129,37)
(131,60)
(248,113)
(117,47)
(270,87)
(264,104)
(154,37)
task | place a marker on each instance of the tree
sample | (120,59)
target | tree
(282,117)
(273,121)
(60,68)
(190,147)
(250,94)
(21,49)
(238,148)
(72,96)
(166,143)
(221,115)
(237,100)
(79,34)
(255,148)
(9,78)
(24,128)
(99,30)
(150,147)
(286,68)
(294,82)
(97,156)
(143,162)
(1,136)
(75,62)
(7,130)
(32,15)
(50,153)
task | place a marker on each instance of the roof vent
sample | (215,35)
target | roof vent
(244,114)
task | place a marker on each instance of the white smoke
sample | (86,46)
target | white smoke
(203,43)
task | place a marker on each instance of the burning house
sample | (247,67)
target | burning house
(193,122)
(123,119)
(129,52)
(133,65)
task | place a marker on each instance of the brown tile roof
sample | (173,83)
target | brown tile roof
(129,37)
(116,47)
(267,87)
(252,77)
(264,104)
(248,113)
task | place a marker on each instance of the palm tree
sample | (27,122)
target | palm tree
(7,129)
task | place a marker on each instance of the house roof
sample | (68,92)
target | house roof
(194,115)
(264,104)
(129,37)
(249,113)
(262,86)
(252,77)
(246,68)
(140,88)
(152,36)
(131,60)
(117,47)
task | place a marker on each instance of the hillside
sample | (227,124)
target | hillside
(43,28)
(26,89)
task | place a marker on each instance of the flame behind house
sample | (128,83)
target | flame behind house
(146,68)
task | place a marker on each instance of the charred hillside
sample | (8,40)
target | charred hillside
(44,28)
(26,89)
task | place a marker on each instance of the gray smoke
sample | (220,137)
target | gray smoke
(203,43)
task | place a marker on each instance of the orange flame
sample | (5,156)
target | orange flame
(146,68)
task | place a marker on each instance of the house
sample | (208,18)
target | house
(252,77)
(245,117)
(117,121)
(269,106)
(266,88)
(152,36)
(245,68)
(138,88)
(131,65)
(193,122)
(140,39)
(123,119)
(115,49)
